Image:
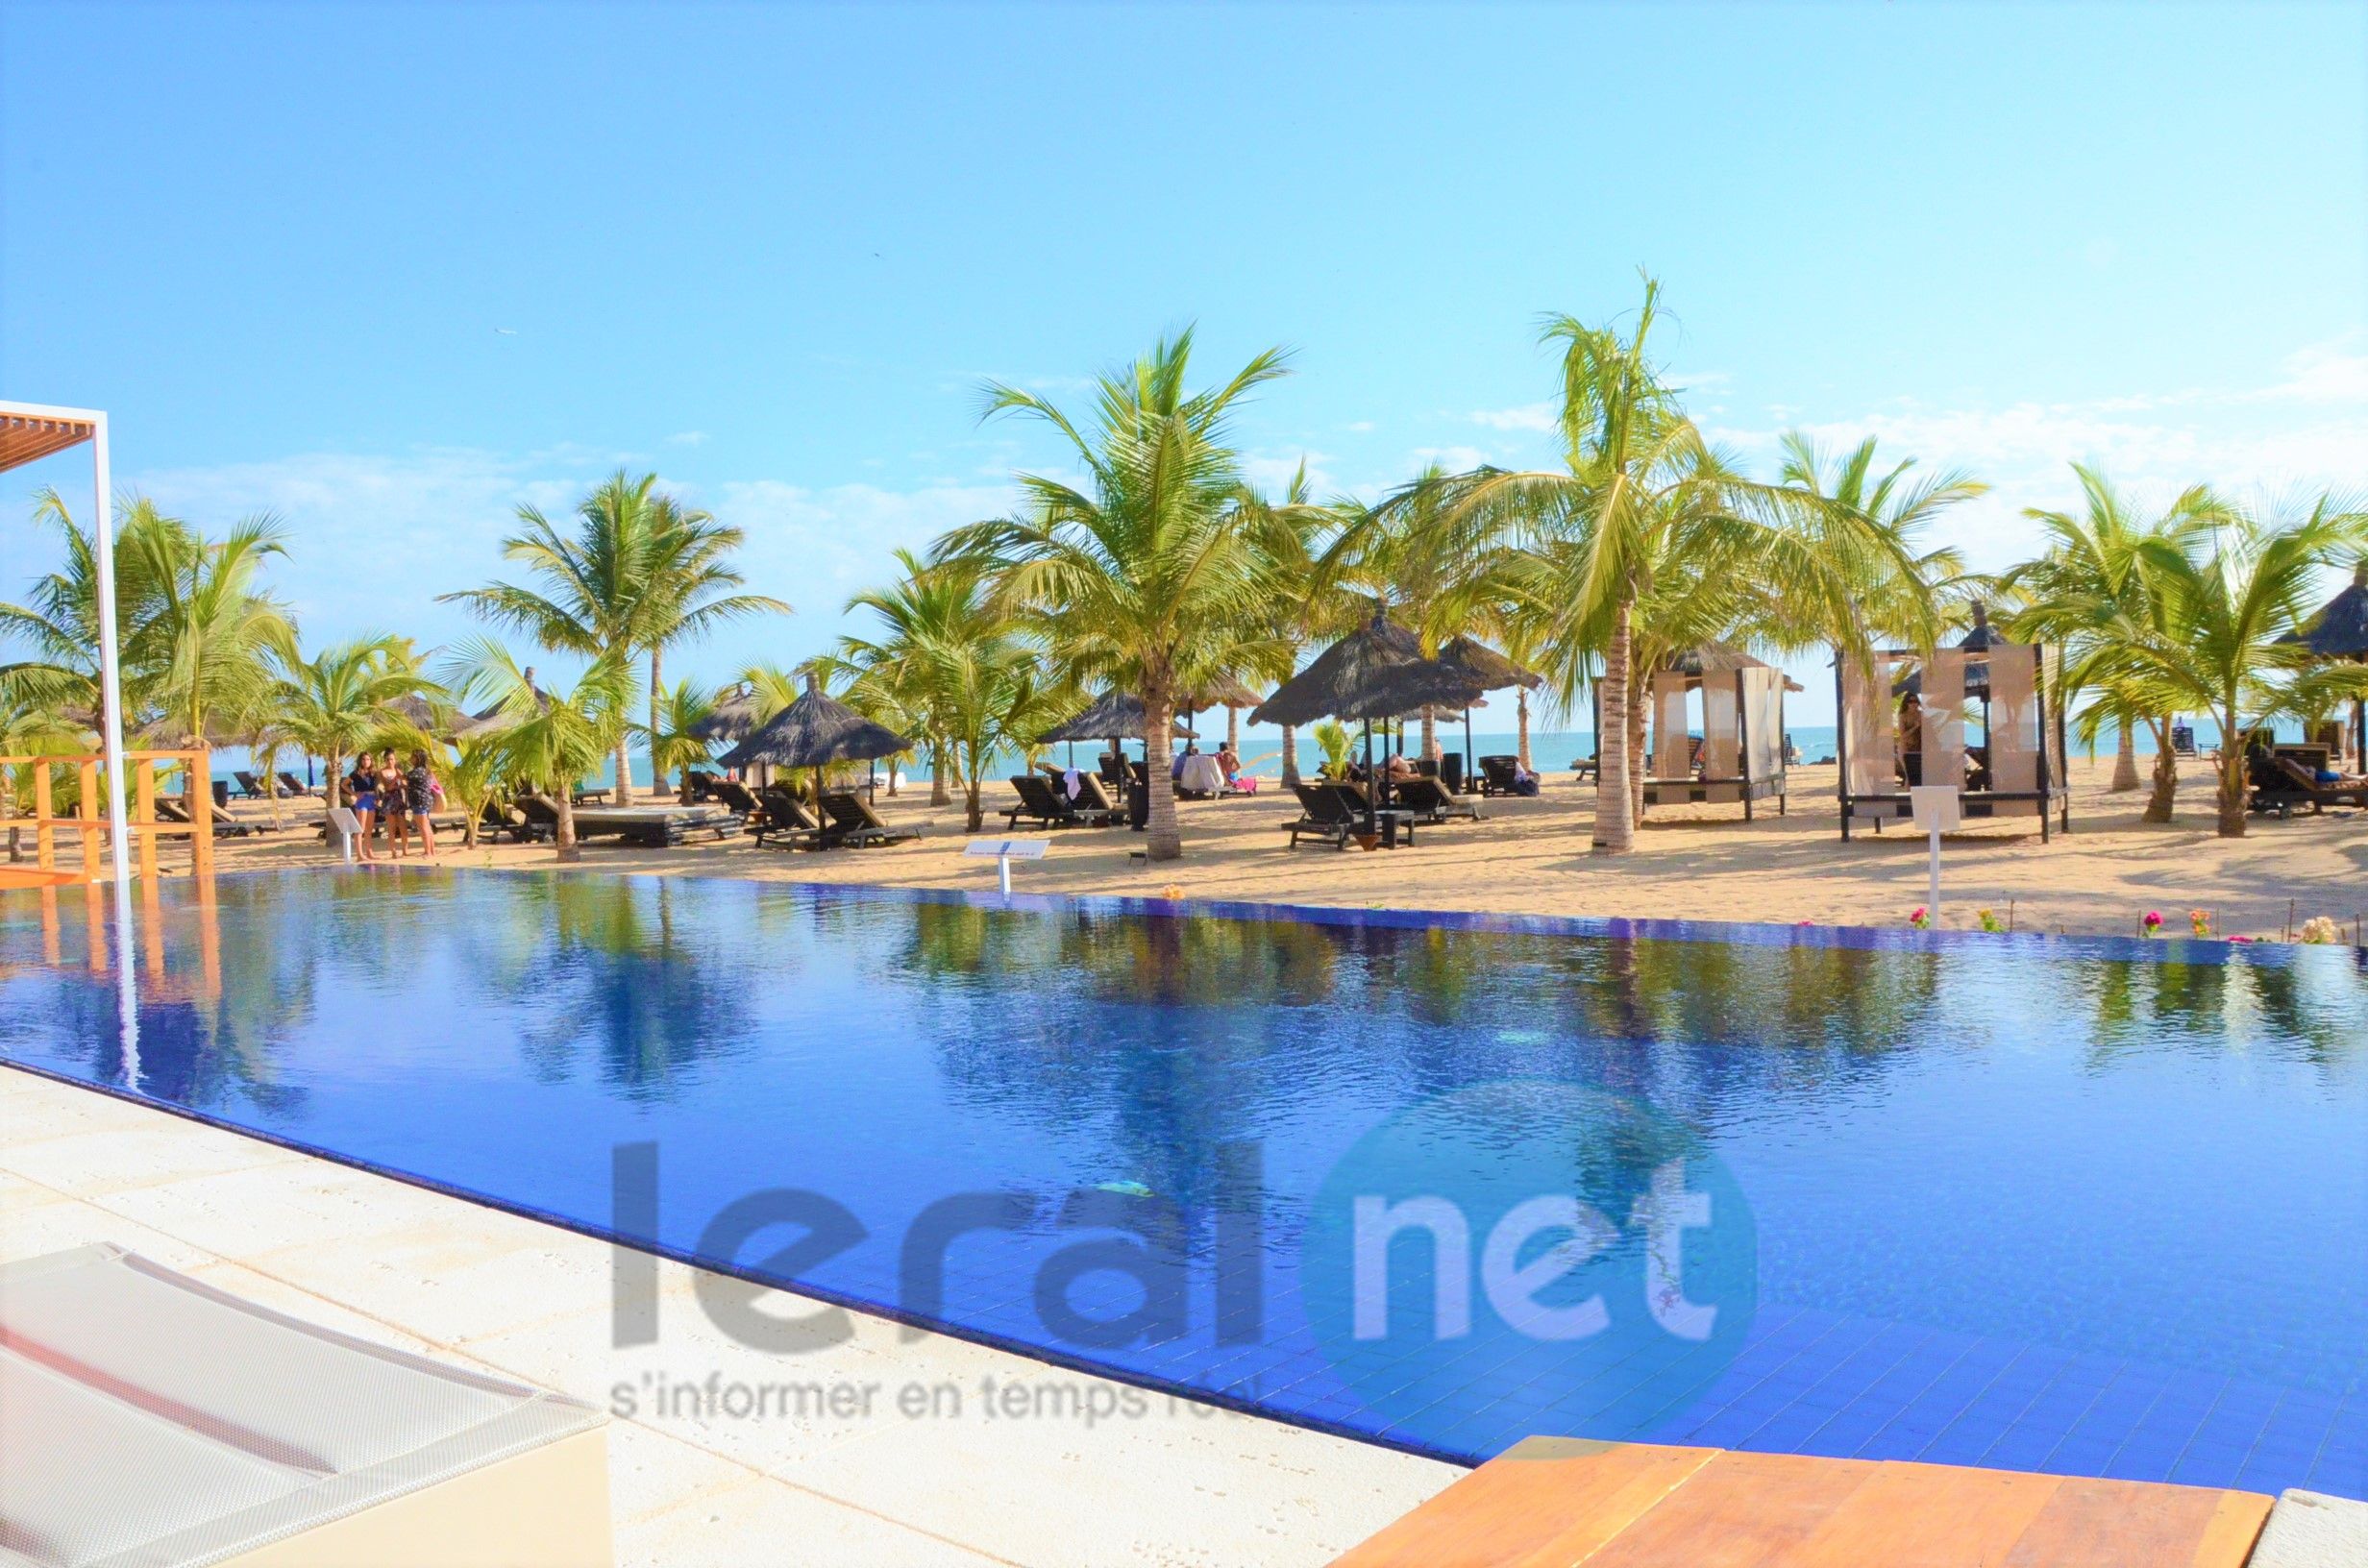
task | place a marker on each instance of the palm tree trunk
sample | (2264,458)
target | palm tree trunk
(624,773)
(1615,806)
(1639,762)
(1163,841)
(2232,791)
(2165,796)
(332,789)
(1430,734)
(1291,757)
(563,800)
(939,794)
(2125,759)
(658,692)
(973,782)
(1233,730)
(1521,727)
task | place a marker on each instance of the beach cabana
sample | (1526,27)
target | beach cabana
(2340,631)
(815,731)
(1741,701)
(2017,767)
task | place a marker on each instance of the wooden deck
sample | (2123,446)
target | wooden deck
(1562,1501)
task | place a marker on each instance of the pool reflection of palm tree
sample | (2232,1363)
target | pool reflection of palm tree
(622,973)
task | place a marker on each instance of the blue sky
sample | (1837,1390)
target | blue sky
(771,250)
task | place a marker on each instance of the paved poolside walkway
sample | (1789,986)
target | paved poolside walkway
(1087,1472)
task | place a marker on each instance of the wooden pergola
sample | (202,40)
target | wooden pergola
(29,432)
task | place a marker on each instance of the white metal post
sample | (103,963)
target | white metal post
(1002,873)
(1932,897)
(110,675)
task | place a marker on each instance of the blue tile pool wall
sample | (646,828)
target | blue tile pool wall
(2090,1207)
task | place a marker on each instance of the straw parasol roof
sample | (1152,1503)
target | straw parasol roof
(1223,692)
(2340,628)
(492,720)
(815,731)
(1375,671)
(1117,717)
(1489,668)
(732,717)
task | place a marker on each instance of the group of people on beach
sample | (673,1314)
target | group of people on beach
(381,789)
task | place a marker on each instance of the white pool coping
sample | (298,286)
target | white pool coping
(1162,1481)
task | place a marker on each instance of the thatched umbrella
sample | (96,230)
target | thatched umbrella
(1115,716)
(732,716)
(1494,673)
(1375,672)
(2340,631)
(494,720)
(1223,692)
(813,732)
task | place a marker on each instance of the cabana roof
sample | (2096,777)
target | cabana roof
(732,717)
(813,732)
(492,719)
(1717,657)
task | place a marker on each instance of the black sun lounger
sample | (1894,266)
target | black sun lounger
(1430,802)
(854,824)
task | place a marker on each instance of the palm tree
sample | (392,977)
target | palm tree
(633,577)
(2223,597)
(551,739)
(675,744)
(688,564)
(930,604)
(341,699)
(1639,489)
(2091,581)
(1154,552)
(472,777)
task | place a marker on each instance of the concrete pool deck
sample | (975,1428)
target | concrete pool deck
(876,1450)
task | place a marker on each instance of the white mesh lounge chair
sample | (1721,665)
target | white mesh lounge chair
(150,1421)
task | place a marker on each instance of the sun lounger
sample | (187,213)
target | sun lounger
(654,828)
(1498,775)
(734,796)
(854,824)
(1093,799)
(1429,801)
(249,787)
(1043,803)
(290,786)
(1323,815)
(148,1417)
(2288,777)
(172,809)
(787,823)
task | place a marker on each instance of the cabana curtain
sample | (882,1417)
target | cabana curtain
(1764,701)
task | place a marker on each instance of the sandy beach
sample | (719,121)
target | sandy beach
(1530,856)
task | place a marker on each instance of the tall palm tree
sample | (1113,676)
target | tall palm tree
(2092,580)
(1154,552)
(635,573)
(1639,487)
(552,738)
(2225,596)
(342,698)
(689,564)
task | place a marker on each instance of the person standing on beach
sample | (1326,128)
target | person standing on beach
(394,804)
(362,784)
(419,795)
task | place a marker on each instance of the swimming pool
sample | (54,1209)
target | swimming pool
(2090,1207)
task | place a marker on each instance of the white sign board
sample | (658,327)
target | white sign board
(1008,848)
(347,826)
(1003,852)
(1936,807)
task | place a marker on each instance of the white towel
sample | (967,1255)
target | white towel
(1069,783)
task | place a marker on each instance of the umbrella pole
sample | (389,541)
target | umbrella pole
(1373,783)
(1468,749)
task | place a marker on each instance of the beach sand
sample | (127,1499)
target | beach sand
(1530,856)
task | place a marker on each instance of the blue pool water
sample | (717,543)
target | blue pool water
(2089,1207)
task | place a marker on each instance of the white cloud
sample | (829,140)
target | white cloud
(374,539)
(1271,472)
(1529,416)
(1359,425)
(1452,458)
(687,438)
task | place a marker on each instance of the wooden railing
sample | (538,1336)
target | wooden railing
(91,823)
